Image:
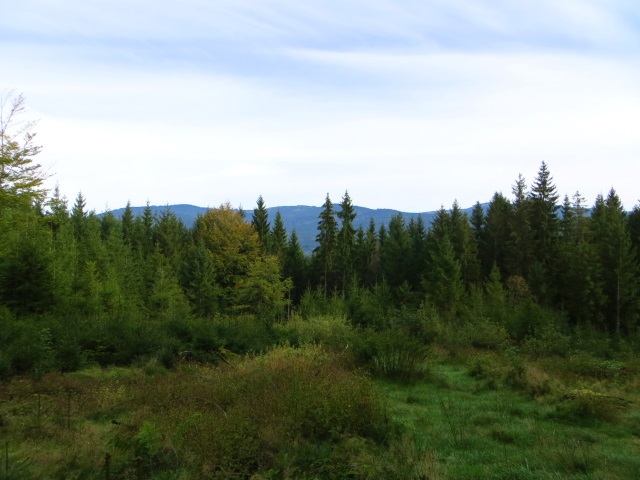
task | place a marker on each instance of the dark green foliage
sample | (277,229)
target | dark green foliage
(497,234)
(295,267)
(278,237)
(260,222)
(345,241)
(619,268)
(26,278)
(327,239)
(545,229)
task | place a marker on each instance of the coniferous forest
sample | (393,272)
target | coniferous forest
(138,347)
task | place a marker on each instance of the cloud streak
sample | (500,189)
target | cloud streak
(407,104)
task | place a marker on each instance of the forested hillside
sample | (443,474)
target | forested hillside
(532,276)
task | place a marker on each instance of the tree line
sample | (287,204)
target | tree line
(64,262)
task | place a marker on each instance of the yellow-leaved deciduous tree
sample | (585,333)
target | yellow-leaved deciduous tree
(233,244)
(20,178)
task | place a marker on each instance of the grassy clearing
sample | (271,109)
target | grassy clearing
(492,423)
(308,413)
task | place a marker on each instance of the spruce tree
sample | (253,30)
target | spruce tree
(295,267)
(260,222)
(346,240)
(464,245)
(520,255)
(580,287)
(618,263)
(545,227)
(327,239)
(278,237)
(394,253)
(497,234)
(127,224)
(417,255)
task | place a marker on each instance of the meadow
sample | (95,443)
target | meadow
(330,400)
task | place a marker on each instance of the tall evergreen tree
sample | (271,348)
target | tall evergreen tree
(417,256)
(618,262)
(198,280)
(580,288)
(58,213)
(128,225)
(260,222)
(545,227)
(367,254)
(497,233)
(394,253)
(79,216)
(520,253)
(171,236)
(478,224)
(295,267)
(444,285)
(346,240)
(327,240)
(278,237)
(464,245)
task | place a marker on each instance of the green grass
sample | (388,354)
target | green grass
(471,431)
(303,413)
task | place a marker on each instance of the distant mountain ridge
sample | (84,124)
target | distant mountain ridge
(301,218)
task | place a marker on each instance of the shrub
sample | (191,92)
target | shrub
(584,406)
(333,331)
(391,354)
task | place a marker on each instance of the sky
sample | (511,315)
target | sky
(405,104)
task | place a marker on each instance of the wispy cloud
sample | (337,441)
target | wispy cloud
(407,104)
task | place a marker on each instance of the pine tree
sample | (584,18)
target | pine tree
(497,234)
(79,217)
(295,267)
(367,254)
(170,235)
(478,224)
(444,285)
(198,280)
(618,263)
(545,227)
(520,256)
(417,255)
(260,222)
(128,225)
(346,240)
(58,213)
(464,245)
(327,239)
(278,237)
(580,288)
(394,252)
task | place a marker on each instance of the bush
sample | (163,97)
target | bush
(288,409)
(585,406)
(333,331)
(391,354)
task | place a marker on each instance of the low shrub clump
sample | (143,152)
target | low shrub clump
(585,406)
